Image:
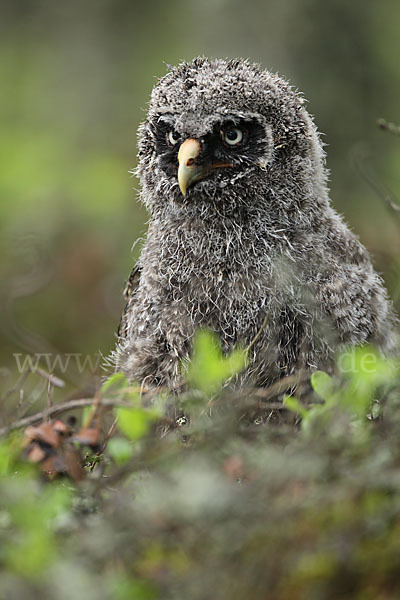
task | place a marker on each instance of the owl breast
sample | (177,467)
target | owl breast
(207,278)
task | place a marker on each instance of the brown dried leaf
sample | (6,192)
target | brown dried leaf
(45,432)
(233,467)
(88,436)
(73,464)
(54,465)
(36,454)
(61,427)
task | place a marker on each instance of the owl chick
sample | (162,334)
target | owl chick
(242,238)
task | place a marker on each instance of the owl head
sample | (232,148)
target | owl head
(225,135)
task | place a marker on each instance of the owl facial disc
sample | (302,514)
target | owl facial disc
(189,171)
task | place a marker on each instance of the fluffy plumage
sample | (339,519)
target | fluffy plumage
(253,244)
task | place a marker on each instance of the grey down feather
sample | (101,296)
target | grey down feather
(253,248)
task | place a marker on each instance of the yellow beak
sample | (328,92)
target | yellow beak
(188,171)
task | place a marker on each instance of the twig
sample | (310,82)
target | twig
(109,433)
(49,395)
(95,409)
(256,337)
(379,188)
(105,442)
(19,384)
(263,394)
(281,386)
(58,409)
(56,381)
(390,127)
(246,351)
(266,396)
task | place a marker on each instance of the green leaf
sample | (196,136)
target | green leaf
(209,368)
(28,513)
(115,383)
(293,404)
(135,422)
(32,553)
(5,458)
(366,367)
(322,384)
(55,500)
(120,450)
(33,512)
(86,414)
(364,370)
(10,449)
(123,587)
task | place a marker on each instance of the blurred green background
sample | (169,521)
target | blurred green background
(75,79)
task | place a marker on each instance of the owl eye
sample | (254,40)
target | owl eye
(173,137)
(232,136)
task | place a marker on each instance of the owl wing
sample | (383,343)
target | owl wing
(129,295)
(356,300)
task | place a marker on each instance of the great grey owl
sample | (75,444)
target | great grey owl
(242,238)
